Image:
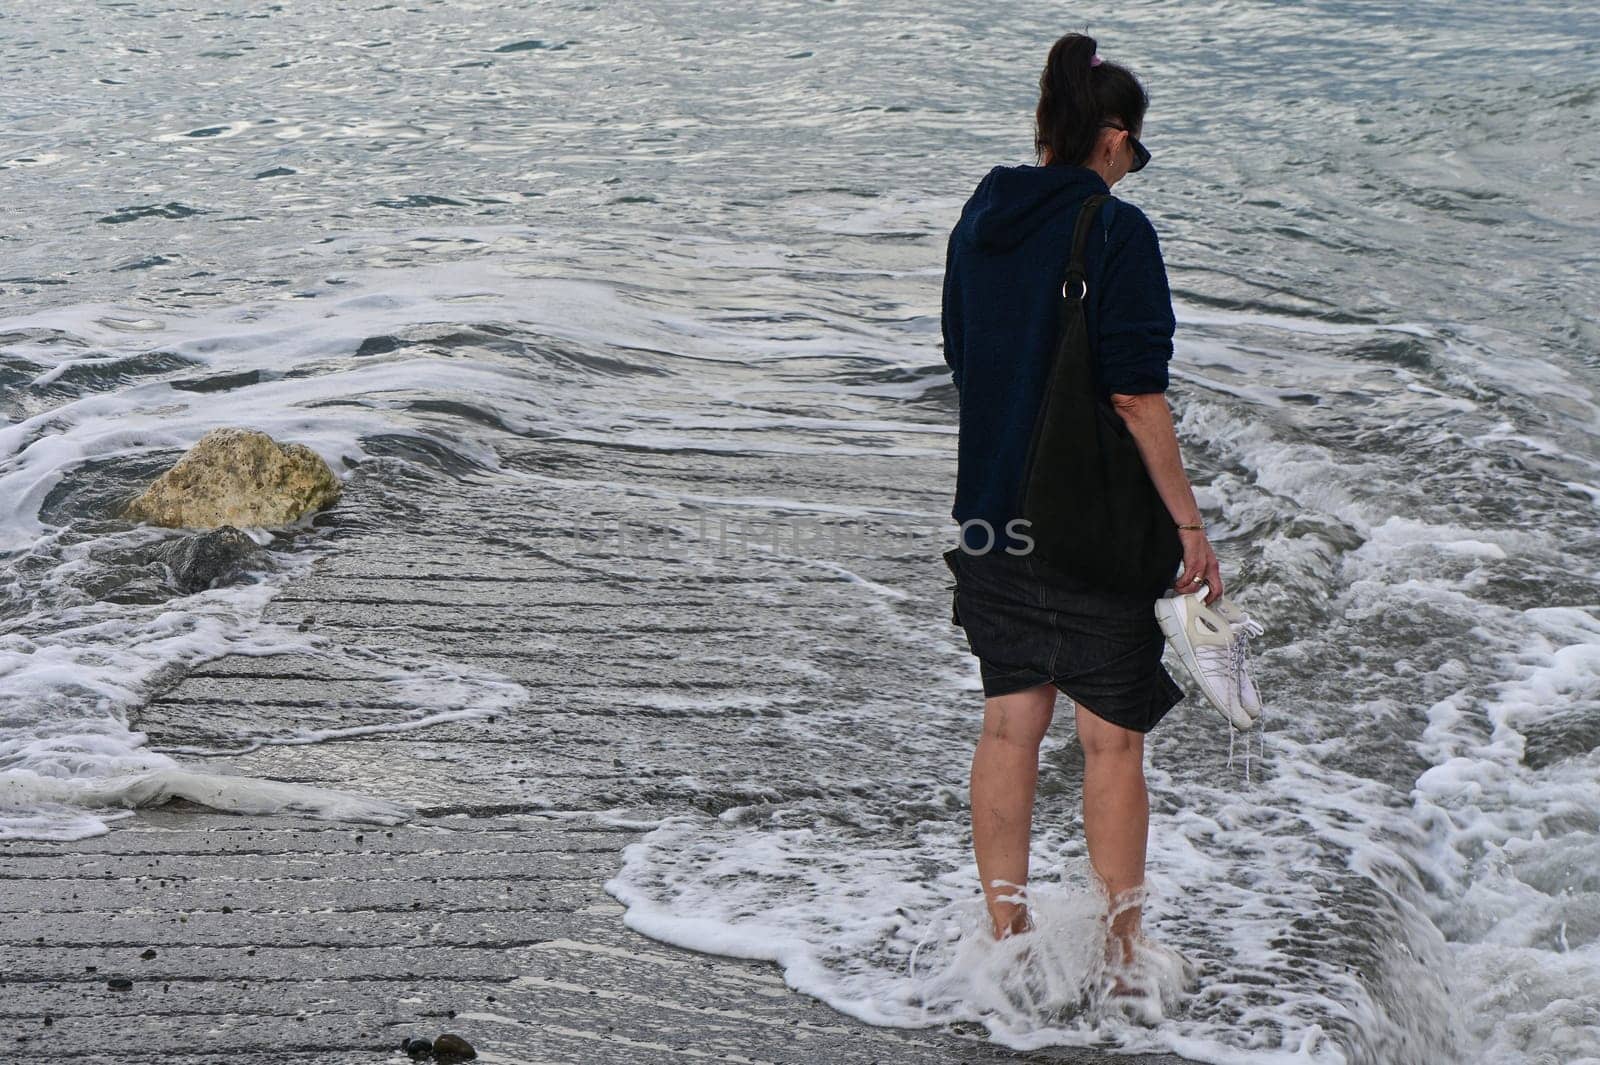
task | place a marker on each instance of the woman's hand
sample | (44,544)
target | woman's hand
(1199,564)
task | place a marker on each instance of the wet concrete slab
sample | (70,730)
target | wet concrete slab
(256,939)
(288,939)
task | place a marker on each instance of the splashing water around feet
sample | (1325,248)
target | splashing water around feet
(1066,971)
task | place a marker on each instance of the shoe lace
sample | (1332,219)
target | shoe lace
(1213,657)
(1239,649)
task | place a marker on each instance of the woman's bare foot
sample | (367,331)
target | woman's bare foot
(1122,988)
(1119,959)
(1120,947)
(1134,962)
(1021,921)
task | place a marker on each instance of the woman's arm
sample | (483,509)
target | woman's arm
(1149,419)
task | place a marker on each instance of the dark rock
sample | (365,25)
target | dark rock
(379,345)
(148,954)
(451,1047)
(208,559)
(416,1047)
(120,983)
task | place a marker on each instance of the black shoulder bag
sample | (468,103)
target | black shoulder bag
(1092,509)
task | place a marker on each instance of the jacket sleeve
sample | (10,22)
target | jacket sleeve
(1136,319)
(950,314)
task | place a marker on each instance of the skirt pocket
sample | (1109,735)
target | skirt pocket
(950,564)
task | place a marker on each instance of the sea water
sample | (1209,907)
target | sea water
(1379,228)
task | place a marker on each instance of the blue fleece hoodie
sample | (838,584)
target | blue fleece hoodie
(1003,268)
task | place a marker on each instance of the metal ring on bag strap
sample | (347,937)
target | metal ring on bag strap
(1091,206)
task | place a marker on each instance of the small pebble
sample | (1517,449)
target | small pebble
(417,1047)
(148,954)
(120,983)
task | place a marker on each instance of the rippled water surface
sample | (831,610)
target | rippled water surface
(691,254)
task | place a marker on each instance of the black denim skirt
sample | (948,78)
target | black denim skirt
(1029,623)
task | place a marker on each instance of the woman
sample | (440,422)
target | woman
(1035,628)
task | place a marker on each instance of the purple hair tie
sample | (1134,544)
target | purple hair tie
(1094,62)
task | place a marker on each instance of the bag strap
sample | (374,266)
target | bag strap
(1073,285)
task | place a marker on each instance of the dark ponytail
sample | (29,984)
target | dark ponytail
(1074,98)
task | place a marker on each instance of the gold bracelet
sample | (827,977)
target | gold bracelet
(1197,525)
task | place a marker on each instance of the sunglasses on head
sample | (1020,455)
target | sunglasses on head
(1141,154)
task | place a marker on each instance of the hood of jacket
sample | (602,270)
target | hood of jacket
(1013,202)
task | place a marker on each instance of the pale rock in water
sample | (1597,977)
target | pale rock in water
(238,477)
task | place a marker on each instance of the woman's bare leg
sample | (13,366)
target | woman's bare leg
(1116,815)
(1005,769)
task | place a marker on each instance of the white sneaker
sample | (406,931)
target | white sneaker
(1244,627)
(1206,645)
